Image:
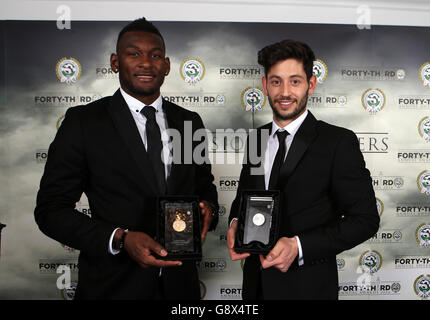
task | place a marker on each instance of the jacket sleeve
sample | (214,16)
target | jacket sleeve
(354,199)
(62,184)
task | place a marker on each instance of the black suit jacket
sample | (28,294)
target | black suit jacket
(98,151)
(327,201)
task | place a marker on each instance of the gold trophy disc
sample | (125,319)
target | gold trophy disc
(179,225)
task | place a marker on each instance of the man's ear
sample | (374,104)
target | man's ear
(312,84)
(114,64)
(167,62)
(264,82)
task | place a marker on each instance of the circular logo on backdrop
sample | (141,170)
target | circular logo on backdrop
(340,264)
(379,206)
(424,128)
(320,70)
(425,74)
(221,264)
(398,182)
(253,98)
(397,235)
(422,235)
(222,210)
(395,287)
(220,99)
(373,100)
(68,70)
(342,100)
(423,182)
(69,293)
(401,74)
(371,261)
(60,121)
(422,286)
(192,70)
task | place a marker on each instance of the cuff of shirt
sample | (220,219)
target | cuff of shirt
(300,258)
(110,248)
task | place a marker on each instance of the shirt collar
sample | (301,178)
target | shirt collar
(292,127)
(136,106)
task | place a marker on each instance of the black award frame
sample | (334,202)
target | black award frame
(258,222)
(178,227)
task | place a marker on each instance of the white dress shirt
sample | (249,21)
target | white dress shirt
(135,107)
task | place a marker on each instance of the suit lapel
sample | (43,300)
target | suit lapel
(124,122)
(172,117)
(303,138)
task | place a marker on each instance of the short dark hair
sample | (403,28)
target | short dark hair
(287,49)
(140,24)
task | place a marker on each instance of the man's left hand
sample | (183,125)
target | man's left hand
(282,254)
(206,212)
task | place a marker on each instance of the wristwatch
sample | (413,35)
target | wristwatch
(121,241)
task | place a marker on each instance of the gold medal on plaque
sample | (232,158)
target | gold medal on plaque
(178,227)
(179,224)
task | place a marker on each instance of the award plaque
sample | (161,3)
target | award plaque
(178,229)
(258,224)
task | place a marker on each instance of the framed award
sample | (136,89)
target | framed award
(258,223)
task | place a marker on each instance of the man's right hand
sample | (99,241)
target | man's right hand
(141,247)
(231,233)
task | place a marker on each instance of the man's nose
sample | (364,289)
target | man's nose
(285,89)
(144,61)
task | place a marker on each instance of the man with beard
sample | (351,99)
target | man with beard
(112,151)
(327,201)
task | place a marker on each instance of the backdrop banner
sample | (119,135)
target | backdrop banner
(374,81)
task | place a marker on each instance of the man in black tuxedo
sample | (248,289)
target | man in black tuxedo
(327,201)
(111,150)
